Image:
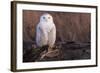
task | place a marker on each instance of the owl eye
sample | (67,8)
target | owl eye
(43,17)
(48,17)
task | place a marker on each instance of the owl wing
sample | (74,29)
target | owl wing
(52,36)
(41,36)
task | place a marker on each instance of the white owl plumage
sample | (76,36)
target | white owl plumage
(45,31)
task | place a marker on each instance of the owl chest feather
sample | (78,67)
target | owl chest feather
(47,27)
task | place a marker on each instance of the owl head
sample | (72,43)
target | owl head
(46,18)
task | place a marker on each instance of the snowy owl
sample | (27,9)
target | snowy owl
(46,31)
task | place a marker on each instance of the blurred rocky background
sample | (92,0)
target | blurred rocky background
(72,41)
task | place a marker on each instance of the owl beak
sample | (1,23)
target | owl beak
(46,20)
